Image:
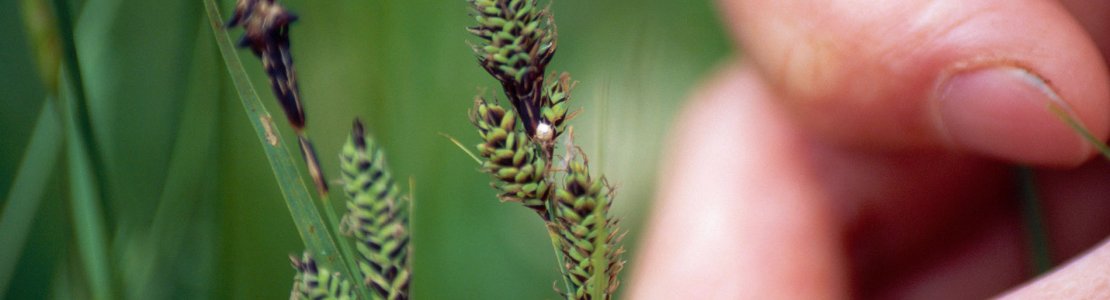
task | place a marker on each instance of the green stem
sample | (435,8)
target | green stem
(555,242)
(600,264)
(1034,221)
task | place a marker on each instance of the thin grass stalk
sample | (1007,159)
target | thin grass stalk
(1079,128)
(556,249)
(1033,218)
(310,225)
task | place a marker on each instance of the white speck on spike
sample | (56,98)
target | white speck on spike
(544,132)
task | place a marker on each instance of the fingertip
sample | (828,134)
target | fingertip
(868,75)
(736,216)
(1009,112)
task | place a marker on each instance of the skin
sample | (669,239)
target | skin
(866,149)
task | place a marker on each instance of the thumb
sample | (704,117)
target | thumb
(975,76)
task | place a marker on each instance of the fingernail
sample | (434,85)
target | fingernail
(1004,112)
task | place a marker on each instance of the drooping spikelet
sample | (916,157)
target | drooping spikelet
(517,42)
(589,238)
(511,157)
(266,32)
(313,282)
(377,216)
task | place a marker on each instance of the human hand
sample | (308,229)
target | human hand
(865,149)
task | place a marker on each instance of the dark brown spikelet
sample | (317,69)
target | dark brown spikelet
(589,238)
(314,169)
(517,43)
(266,33)
(511,157)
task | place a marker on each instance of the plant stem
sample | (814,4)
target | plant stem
(555,241)
(1033,218)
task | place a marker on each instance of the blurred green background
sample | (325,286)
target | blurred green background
(194,210)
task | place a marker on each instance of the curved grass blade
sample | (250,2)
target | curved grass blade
(310,225)
(86,167)
(26,190)
(88,217)
(183,194)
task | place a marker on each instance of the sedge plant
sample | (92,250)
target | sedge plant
(520,146)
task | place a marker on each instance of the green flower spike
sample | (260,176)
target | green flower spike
(510,157)
(589,239)
(517,42)
(377,216)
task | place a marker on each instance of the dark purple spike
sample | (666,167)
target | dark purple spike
(279,66)
(358,133)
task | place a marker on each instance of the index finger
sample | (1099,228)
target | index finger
(975,76)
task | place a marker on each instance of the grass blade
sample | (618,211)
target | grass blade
(26,191)
(184,194)
(310,225)
(86,169)
(88,217)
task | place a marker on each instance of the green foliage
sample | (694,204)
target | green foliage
(230,232)
(377,216)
